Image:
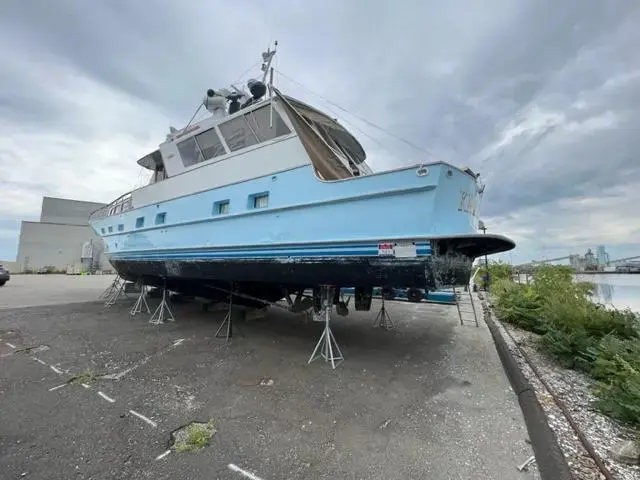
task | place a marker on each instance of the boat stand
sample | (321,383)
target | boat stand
(228,321)
(141,303)
(158,316)
(115,291)
(383,320)
(111,288)
(327,347)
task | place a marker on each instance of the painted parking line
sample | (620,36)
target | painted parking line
(162,455)
(53,389)
(106,397)
(244,473)
(142,417)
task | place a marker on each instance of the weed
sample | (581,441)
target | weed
(85,377)
(194,436)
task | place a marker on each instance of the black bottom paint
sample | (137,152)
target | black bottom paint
(267,279)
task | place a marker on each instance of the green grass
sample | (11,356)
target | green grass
(85,377)
(578,334)
(194,437)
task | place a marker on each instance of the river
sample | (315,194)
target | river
(617,290)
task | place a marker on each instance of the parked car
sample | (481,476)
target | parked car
(4,275)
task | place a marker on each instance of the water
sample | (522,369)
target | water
(617,290)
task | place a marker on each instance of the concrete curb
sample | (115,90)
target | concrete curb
(552,463)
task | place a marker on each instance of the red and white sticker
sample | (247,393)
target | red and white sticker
(385,249)
(397,249)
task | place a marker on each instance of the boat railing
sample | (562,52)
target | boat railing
(122,204)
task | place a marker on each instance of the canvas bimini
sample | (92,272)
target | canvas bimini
(269,196)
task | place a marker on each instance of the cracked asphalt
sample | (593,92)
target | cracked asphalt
(426,400)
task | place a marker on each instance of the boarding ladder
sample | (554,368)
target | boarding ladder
(465,305)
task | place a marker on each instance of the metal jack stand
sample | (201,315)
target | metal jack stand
(115,291)
(111,288)
(383,320)
(327,347)
(228,321)
(141,303)
(158,316)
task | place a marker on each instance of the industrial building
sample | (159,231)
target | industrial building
(62,240)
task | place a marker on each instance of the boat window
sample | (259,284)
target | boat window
(221,207)
(160,218)
(139,222)
(102,230)
(189,152)
(110,229)
(259,200)
(260,121)
(121,227)
(210,145)
(237,133)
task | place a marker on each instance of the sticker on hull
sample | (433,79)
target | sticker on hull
(397,249)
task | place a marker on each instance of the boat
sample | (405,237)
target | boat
(269,196)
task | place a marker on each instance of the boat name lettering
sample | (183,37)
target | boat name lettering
(467,203)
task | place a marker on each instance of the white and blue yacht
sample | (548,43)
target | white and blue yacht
(273,196)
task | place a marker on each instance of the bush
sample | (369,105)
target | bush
(519,305)
(579,334)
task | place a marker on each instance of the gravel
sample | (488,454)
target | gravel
(574,390)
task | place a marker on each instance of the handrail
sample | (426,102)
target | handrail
(122,204)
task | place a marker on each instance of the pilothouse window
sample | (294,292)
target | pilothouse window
(260,121)
(255,126)
(189,152)
(210,145)
(237,134)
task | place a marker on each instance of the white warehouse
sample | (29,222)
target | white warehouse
(62,239)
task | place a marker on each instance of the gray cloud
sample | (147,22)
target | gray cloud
(541,97)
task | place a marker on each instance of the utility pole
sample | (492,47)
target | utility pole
(482,227)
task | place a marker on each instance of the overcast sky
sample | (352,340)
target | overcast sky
(542,97)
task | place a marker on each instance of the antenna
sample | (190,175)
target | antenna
(267,57)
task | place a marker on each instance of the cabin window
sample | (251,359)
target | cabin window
(102,230)
(237,133)
(110,229)
(189,152)
(210,145)
(260,121)
(121,227)
(160,218)
(259,200)
(139,222)
(221,207)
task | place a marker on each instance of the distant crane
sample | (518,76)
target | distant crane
(567,257)
(626,259)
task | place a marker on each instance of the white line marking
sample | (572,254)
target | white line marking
(56,388)
(10,344)
(246,474)
(40,361)
(162,455)
(55,369)
(107,398)
(85,385)
(142,417)
(139,363)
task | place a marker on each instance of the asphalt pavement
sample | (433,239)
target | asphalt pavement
(88,392)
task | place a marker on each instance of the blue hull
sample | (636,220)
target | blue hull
(309,232)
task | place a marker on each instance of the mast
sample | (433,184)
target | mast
(267,57)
